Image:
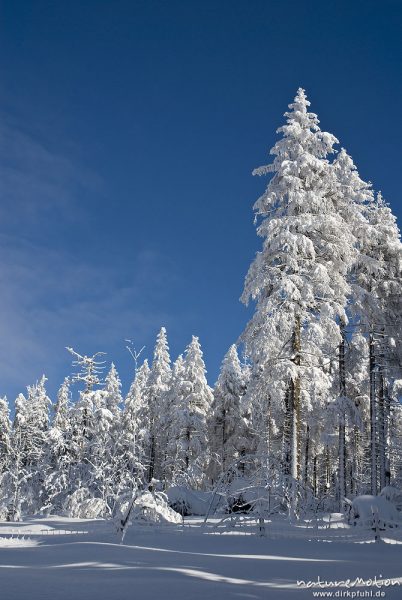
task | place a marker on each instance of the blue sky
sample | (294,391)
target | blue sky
(129,130)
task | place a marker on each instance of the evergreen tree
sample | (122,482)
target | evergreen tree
(5,456)
(377,302)
(189,430)
(113,391)
(5,435)
(158,383)
(175,401)
(59,457)
(134,440)
(227,428)
(298,280)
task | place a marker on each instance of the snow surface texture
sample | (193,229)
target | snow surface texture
(83,559)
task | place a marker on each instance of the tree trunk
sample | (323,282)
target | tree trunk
(315,476)
(383,416)
(224,440)
(287,434)
(295,398)
(327,469)
(381,430)
(342,422)
(187,457)
(269,428)
(387,416)
(151,469)
(306,456)
(355,472)
(373,415)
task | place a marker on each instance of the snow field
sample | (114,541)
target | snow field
(189,561)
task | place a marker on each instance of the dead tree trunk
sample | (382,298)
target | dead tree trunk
(295,397)
(342,422)
(373,415)
(287,434)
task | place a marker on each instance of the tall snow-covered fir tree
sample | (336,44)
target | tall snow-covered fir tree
(299,279)
(158,383)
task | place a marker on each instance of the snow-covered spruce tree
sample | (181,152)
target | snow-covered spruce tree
(389,331)
(175,400)
(188,433)
(226,425)
(353,197)
(36,428)
(18,473)
(5,432)
(85,499)
(395,437)
(113,402)
(28,442)
(113,391)
(89,371)
(158,383)
(62,407)
(357,383)
(135,431)
(298,280)
(58,451)
(5,457)
(101,454)
(377,301)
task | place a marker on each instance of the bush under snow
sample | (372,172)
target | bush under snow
(365,509)
(193,502)
(149,508)
(393,495)
(82,505)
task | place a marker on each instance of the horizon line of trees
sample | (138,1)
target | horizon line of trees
(313,414)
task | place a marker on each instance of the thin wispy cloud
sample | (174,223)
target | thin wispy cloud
(35,179)
(56,296)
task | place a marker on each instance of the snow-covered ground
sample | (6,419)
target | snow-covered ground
(72,559)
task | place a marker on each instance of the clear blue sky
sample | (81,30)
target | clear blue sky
(129,130)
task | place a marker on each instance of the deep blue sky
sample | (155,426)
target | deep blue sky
(129,130)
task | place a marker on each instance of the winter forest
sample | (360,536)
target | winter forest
(306,409)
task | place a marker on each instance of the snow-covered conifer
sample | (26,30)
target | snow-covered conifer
(377,303)
(158,383)
(190,431)
(135,429)
(113,391)
(59,456)
(174,399)
(5,433)
(5,456)
(298,280)
(226,423)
